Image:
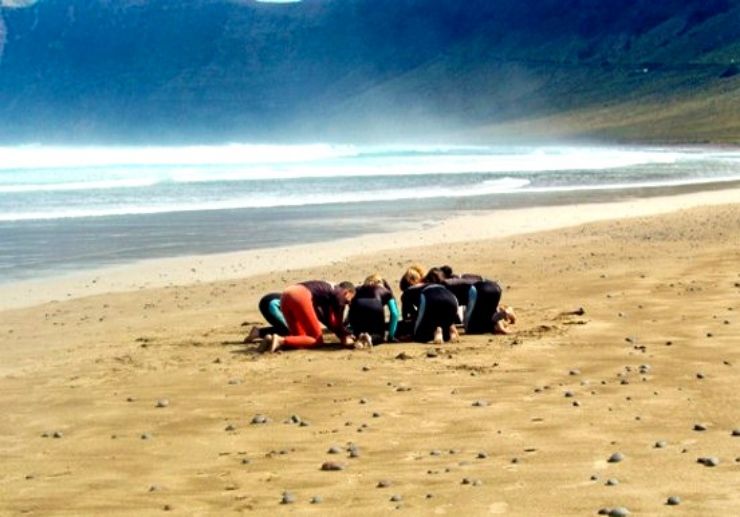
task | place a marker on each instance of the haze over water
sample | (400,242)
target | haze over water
(70,208)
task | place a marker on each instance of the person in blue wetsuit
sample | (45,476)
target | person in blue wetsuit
(269,306)
(367,312)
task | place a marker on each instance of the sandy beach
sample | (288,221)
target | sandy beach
(129,390)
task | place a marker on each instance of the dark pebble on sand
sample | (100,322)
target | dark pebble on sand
(331,466)
(482,455)
(576,403)
(396,498)
(568,394)
(403,356)
(673,501)
(515,460)
(700,427)
(146,436)
(295,419)
(574,371)
(480,403)
(162,403)
(711,461)
(616,457)
(230,427)
(699,375)
(466,481)
(383,483)
(431,354)
(317,499)
(736,432)
(363,401)
(259,419)
(612,482)
(435,452)
(57,434)
(594,477)
(604,511)
(376,414)
(334,450)
(288,498)
(246,461)
(660,444)
(166,508)
(619,512)
(365,368)
(403,388)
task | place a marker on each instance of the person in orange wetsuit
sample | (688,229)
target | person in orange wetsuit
(308,305)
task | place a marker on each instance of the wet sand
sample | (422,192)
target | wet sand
(142,402)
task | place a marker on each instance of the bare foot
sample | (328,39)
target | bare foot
(264,346)
(438,336)
(253,335)
(275,343)
(454,334)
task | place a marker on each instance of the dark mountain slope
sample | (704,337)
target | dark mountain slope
(200,70)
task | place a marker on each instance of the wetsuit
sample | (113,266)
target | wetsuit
(366,312)
(480,298)
(306,306)
(437,308)
(269,307)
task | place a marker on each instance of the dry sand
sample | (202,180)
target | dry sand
(656,352)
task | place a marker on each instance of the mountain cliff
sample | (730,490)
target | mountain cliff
(479,70)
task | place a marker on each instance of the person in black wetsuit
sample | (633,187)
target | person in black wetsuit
(481,299)
(367,313)
(430,310)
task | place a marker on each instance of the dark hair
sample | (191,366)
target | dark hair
(434,276)
(348,286)
(447,270)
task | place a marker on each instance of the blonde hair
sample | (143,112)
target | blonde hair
(374,279)
(413,275)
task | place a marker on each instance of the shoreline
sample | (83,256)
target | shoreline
(195,269)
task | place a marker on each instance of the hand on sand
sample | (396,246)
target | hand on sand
(364,342)
(509,314)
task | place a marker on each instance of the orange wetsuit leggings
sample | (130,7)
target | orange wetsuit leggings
(297,306)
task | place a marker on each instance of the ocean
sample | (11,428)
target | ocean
(64,209)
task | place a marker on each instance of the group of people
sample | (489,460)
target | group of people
(434,304)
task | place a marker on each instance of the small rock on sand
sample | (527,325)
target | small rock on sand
(259,419)
(660,444)
(162,403)
(710,461)
(403,356)
(383,483)
(616,457)
(480,403)
(287,498)
(673,501)
(700,427)
(317,499)
(619,512)
(331,466)
(612,482)
(334,450)
(736,432)
(57,434)
(396,498)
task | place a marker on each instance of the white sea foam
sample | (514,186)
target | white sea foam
(509,185)
(39,168)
